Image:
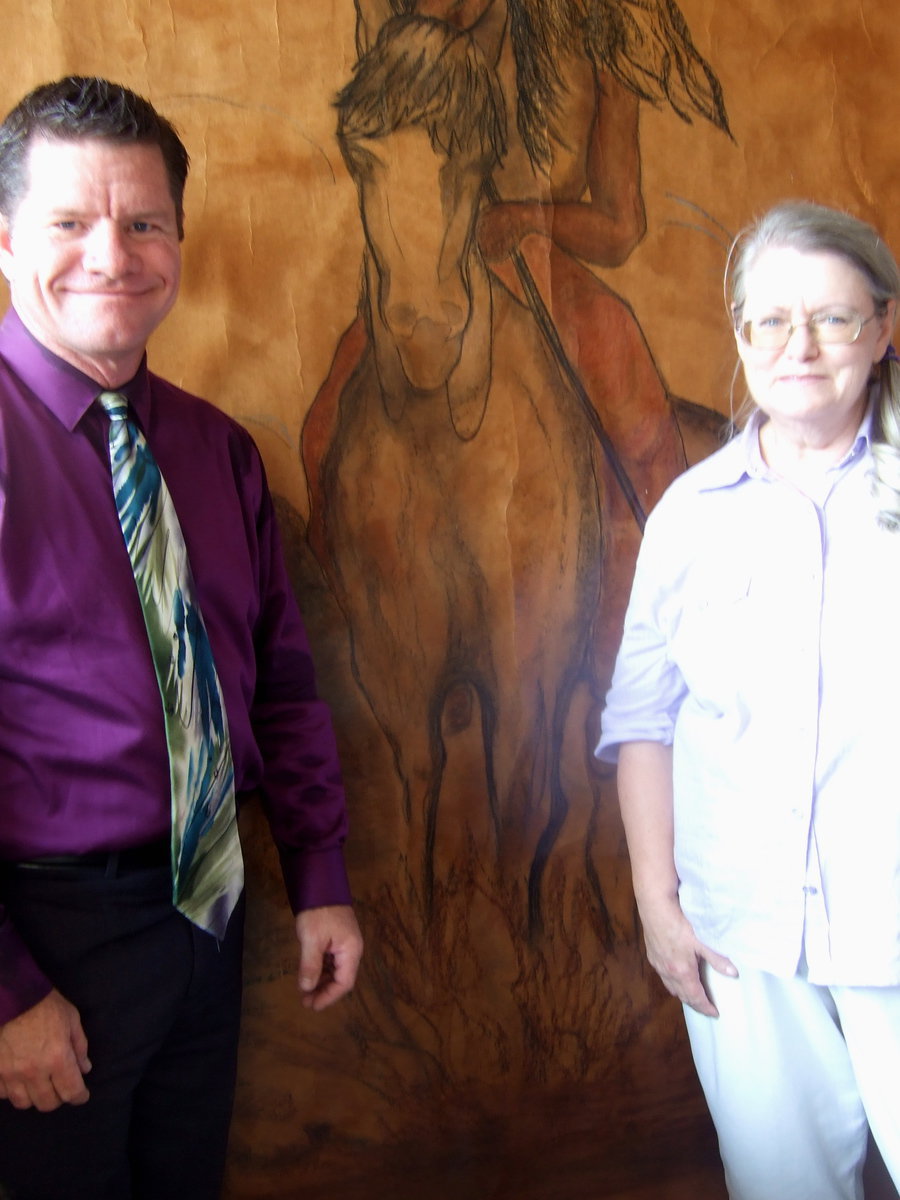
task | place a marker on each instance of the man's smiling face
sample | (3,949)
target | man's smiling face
(92,252)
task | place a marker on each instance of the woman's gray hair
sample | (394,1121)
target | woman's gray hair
(815,229)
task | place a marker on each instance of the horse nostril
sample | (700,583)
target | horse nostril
(445,318)
(401,319)
(455,315)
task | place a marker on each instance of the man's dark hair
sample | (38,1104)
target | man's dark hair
(86,107)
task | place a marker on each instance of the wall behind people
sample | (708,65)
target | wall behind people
(505,1037)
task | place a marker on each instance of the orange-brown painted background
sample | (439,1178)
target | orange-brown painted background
(427,1082)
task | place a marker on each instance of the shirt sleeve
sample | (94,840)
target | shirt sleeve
(22,983)
(647,687)
(302,789)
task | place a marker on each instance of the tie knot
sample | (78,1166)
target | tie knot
(115,404)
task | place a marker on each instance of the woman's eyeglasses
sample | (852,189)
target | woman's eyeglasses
(830,327)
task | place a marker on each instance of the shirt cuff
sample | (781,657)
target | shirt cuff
(315,879)
(22,983)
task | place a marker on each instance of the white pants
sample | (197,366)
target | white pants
(792,1073)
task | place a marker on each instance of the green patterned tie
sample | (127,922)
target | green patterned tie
(207,869)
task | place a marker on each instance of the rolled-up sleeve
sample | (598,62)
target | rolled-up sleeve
(647,687)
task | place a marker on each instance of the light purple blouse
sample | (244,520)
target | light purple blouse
(761,643)
(83,761)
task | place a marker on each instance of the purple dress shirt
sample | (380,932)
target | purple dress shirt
(83,760)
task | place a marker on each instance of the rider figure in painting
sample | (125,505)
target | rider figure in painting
(568,182)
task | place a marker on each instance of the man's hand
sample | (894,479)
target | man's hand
(331,946)
(43,1056)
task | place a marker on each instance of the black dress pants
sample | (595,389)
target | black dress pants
(160,1004)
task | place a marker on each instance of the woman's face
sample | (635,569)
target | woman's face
(810,390)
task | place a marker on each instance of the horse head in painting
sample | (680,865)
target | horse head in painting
(420,127)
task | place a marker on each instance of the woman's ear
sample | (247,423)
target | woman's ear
(736,322)
(887,329)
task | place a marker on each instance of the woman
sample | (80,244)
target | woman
(754,714)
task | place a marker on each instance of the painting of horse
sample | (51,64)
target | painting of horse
(457,482)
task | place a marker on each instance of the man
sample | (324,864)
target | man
(118,1013)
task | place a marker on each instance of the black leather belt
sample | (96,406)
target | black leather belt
(109,863)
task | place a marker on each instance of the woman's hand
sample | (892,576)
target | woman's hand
(676,954)
(673,949)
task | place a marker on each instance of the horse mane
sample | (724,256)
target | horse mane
(645,44)
(422,72)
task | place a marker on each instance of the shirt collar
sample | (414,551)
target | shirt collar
(733,463)
(67,392)
(742,458)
